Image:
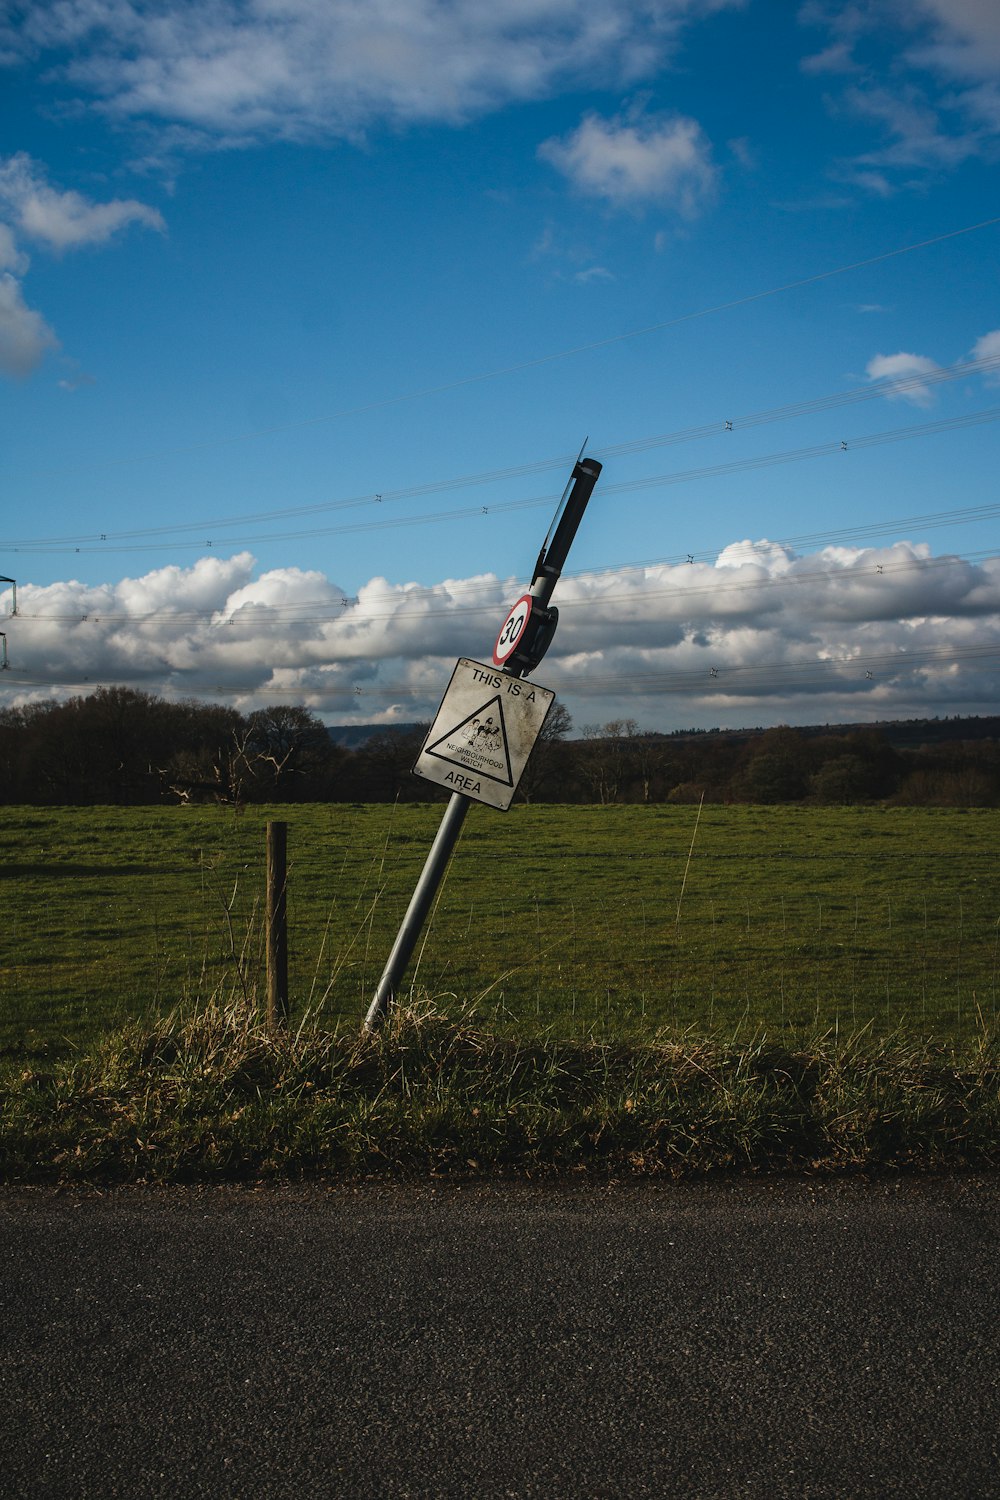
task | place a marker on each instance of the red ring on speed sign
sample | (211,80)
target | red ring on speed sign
(512,630)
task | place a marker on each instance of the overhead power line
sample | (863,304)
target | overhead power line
(323,612)
(900,386)
(684,476)
(710,679)
(715,587)
(544,359)
(721,675)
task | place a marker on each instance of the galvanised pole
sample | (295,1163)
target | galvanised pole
(420,904)
(536,639)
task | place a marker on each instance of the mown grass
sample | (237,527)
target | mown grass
(794,921)
(213,1095)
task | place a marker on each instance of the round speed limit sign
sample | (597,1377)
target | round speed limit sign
(512,630)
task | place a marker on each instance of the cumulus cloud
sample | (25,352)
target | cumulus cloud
(902,374)
(63,220)
(988,347)
(24,334)
(760,635)
(295,69)
(635,159)
(30,208)
(909,377)
(11,258)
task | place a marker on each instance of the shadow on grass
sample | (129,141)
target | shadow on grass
(212,1095)
(59,869)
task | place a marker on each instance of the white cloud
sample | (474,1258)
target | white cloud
(744,152)
(988,347)
(909,377)
(761,635)
(594,273)
(919,135)
(635,159)
(75,378)
(63,220)
(837,58)
(902,374)
(925,74)
(306,69)
(774,557)
(32,209)
(24,334)
(11,258)
(965,38)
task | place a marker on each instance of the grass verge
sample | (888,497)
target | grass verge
(212,1095)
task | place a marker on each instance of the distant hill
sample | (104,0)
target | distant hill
(902,734)
(356,736)
(910,734)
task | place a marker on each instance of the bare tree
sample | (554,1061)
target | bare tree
(547,756)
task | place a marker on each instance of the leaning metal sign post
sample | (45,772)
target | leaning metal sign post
(488,722)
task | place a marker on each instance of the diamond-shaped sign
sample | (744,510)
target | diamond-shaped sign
(483,733)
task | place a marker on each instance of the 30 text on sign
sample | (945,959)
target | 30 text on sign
(512,630)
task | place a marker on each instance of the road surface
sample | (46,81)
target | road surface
(773,1338)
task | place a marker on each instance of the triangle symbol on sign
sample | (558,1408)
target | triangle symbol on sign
(478,744)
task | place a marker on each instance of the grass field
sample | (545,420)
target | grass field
(792,920)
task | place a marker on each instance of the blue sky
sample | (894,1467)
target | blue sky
(261,263)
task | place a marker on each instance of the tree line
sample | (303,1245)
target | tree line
(121,746)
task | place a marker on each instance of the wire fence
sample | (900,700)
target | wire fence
(614,920)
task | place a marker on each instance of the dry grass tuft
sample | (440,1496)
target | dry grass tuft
(211,1094)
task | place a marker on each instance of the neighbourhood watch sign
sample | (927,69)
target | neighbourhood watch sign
(483,734)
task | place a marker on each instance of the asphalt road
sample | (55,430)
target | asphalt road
(757,1339)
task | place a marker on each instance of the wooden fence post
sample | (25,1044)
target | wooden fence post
(277,926)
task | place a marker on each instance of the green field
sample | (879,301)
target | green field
(568,918)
